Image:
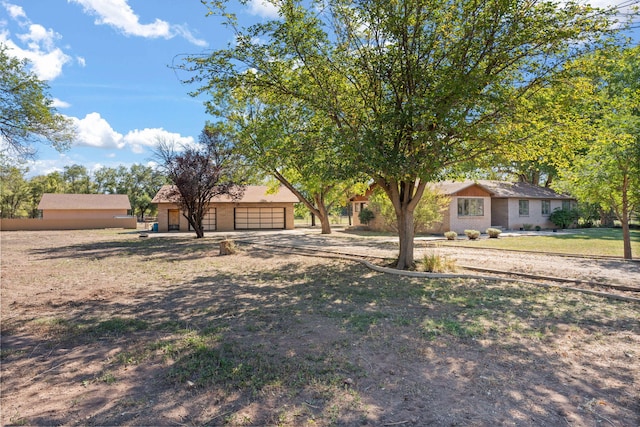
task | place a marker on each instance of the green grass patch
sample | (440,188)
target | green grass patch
(589,241)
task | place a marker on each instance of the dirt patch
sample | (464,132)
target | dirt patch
(106,328)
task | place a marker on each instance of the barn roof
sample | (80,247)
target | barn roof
(51,201)
(252,194)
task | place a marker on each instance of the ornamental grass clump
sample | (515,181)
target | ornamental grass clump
(472,234)
(451,235)
(493,232)
(434,263)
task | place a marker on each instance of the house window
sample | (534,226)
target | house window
(566,205)
(546,207)
(523,207)
(470,207)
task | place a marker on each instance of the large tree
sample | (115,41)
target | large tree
(27,114)
(200,173)
(607,170)
(294,145)
(412,87)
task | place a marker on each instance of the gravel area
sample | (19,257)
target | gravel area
(603,271)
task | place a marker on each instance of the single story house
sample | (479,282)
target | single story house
(481,204)
(77,212)
(258,209)
(519,205)
(84,206)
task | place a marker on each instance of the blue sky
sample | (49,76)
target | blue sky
(107,63)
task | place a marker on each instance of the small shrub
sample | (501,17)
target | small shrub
(434,263)
(493,232)
(563,218)
(365,216)
(527,227)
(451,235)
(472,234)
(538,228)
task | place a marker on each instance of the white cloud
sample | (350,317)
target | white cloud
(118,14)
(39,43)
(16,12)
(138,139)
(95,131)
(57,103)
(263,8)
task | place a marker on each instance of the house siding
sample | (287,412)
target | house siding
(535,218)
(73,214)
(460,223)
(225,219)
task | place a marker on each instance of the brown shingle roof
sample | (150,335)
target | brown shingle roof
(252,194)
(51,201)
(503,189)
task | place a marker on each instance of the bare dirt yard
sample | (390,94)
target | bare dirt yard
(107,328)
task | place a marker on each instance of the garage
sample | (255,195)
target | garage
(260,207)
(208,220)
(259,218)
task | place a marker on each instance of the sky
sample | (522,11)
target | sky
(108,67)
(108,64)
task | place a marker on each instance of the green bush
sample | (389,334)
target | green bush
(366,216)
(429,210)
(472,234)
(451,235)
(493,232)
(563,218)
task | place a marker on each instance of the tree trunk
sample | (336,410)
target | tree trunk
(404,196)
(323,215)
(624,219)
(406,233)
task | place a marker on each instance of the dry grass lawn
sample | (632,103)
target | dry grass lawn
(106,328)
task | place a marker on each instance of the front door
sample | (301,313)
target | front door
(174,220)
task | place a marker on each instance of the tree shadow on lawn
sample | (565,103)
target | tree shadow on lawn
(331,343)
(175,248)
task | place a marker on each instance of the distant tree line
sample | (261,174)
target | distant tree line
(20,196)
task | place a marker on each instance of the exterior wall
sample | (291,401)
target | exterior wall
(225,220)
(500,213)
(74,214)
(535,217)
(67,224)
(461,223)
(356,205)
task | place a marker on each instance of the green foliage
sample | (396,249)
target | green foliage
(493,232)
(428,211)
(27,114)
(472,234)
(402,92)
(14,192)
(366,215)
(451,235)
(607,171)
(563,218)
(20,197)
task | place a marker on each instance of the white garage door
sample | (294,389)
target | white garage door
(259,218)
(209,220)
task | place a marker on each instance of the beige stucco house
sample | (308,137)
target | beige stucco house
(481,204)
(258,209)
(519,205)
(77,212)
